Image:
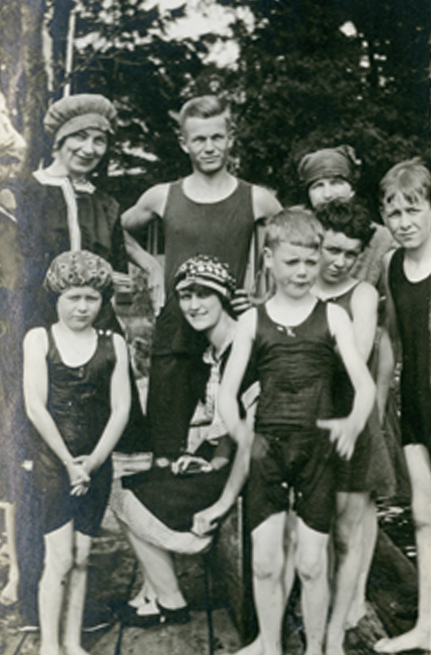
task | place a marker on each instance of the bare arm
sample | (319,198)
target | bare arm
(149,207)
(36,397)
(345,431)
(120,407)
(364,307)
(241,430)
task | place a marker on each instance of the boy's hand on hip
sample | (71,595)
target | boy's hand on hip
(343,432)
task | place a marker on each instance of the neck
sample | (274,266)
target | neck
(209,188)
(281,299)
(325,289)
(56,169)
(83,334)
(220,334)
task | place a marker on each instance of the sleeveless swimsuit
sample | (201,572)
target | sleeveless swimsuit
(79,403)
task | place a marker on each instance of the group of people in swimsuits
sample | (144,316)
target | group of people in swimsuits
(284,394)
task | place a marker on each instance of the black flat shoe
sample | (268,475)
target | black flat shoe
(180,615)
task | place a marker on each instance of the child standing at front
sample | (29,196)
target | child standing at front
(293,337)
(77,395)
(406,210)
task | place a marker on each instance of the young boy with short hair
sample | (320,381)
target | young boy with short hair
(406,210)
(292,337)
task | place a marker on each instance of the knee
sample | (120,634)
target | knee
(311,566)
(80,560)
(60,562)
(267,564)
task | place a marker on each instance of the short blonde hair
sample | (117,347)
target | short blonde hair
(411,178)
(204,107)
(296,225)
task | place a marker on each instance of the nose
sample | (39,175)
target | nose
(327,191)
(88,146)
(209,145)
(302,269)
(82,305)
(404,220)
(339,260)
(194,302)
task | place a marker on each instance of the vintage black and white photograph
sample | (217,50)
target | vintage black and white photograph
(215,327)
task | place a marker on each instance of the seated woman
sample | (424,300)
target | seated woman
(177,507)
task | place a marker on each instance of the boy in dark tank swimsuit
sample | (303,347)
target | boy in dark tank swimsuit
(293,338)
(406,210)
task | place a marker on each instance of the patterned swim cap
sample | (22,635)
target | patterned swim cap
(205,271)
(79,268)
(329,162)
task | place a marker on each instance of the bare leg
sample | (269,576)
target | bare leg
(58,562)
(9,593)
(419,466)
(358,607)
(159,571)
(349,537)
(76,595)
(312,567)
(290,545)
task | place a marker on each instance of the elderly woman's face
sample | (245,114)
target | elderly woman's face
(80,152)
(329,188)
(201,307)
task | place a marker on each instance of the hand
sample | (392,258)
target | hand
(206,521)
(190,464)
(240,301)
(77,473)
(79,489)
(343,432)
(87,464)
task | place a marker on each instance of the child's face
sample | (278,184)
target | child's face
(329,188)
(78,307)
(201,307)
(339,253)
(294,268)
(409,222)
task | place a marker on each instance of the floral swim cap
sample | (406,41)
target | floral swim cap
(205,271)
(79,268)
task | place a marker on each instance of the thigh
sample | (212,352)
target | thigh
(312,547)
(88,510)
(268,540)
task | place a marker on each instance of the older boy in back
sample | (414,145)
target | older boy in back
(406,210)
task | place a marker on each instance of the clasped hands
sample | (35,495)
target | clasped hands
(79,471)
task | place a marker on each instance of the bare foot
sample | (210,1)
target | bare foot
(356,613)
(74,649)
(416,639)
(334,649)
(254,648)
(9,594)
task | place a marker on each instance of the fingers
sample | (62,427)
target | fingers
(240,302)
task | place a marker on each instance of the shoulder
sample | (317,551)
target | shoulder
(119,345)
(154,199)
(364,294)
(265,203)
(36,338)
(337,318)
(247,322)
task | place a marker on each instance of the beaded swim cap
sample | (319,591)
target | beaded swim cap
(79,112)
(205,271)
(329,162)
(79,268)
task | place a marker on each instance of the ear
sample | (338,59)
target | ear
(183,143)
(267,257)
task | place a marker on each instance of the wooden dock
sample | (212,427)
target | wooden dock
(113,575)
